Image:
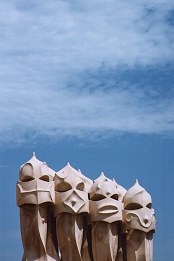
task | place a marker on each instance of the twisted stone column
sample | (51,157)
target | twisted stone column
(71,192)
(139,221)
(35,192)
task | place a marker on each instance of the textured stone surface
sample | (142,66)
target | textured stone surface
(139,223)
(35,192)
(65,216)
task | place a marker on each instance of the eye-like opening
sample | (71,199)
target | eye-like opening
(26,172)
(133,206)
(149,205)
(80,186)
(115,196)
(45,178)
(97,197)
(62,187)
(26,178)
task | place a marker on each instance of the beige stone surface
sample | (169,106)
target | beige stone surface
(139,223)
(71,193)
(35,191)
(65,216)
(105,212)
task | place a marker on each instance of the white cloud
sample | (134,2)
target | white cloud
(59,113)
(65,36)
(45,49)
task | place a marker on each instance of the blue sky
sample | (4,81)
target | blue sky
(92,83)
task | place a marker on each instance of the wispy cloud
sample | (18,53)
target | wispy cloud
(80,113)
(48,49)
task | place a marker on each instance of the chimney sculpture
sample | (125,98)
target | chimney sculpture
(65,216)
(139,221)
(35,192)
(71,207)
(121,253)
(105,213)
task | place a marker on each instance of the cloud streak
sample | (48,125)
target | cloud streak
(65,37)
(80,113)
